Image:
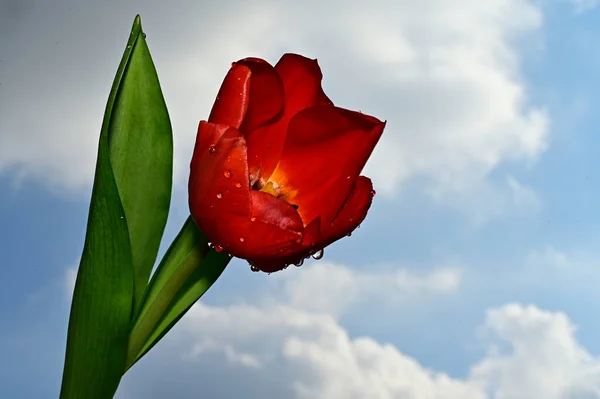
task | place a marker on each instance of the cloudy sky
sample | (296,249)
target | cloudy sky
(476,273)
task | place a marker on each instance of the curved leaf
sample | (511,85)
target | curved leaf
(128,211)
(186,272)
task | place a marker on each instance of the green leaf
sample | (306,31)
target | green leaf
(186,272)
(128,211)
(141,150)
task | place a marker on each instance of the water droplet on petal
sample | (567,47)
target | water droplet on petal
(227,174)
(238,185)
(254,268)
(373,193)
(299,263)
(319,254)
(253,219)
(219,195)
(218,248)
(242,239)
(212,149)
(350,219)
(349,234)
(348,177)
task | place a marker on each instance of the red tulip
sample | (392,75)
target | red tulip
(275,171)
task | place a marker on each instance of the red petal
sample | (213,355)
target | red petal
(350,216)
(352,213)
(265,97)
(208,136)
(219,192)
(245,223)
(325,150)
(294,253)
(232,101)
(301,78)
(273,229)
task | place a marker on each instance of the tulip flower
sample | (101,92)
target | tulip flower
(275,173)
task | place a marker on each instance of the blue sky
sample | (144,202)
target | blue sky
(475,274)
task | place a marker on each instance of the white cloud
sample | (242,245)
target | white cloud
(297,347)
(445,75)
(581,6)
(331,288)
(310,355)
(545,360)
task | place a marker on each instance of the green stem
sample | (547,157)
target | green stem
(146,324)
(186,272)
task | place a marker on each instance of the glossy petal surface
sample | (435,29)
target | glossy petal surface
(266,95)
(352,213)
(325,150)
(301,78)
(275,174)
(234,95)
(243,222)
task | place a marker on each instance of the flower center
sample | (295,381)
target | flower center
(270,187)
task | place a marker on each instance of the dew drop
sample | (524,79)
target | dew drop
(373,193)
(350,219)
(347,177)
(212,149)
(254,268)
(218,248)
(299,263)
(227,174)
(349,234)
(219,195)
(319,254)
(242,239)
(238,185)
(253,219)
